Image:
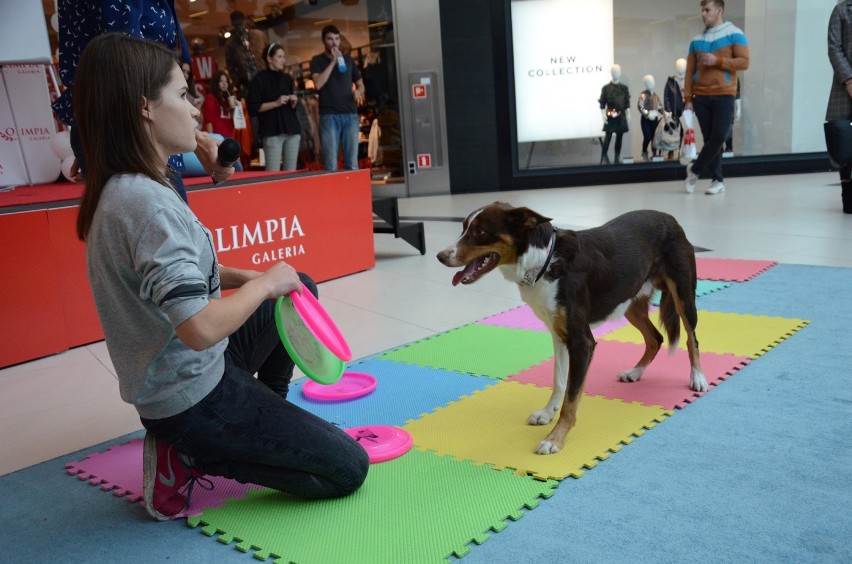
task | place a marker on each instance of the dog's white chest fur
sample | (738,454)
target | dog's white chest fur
(541,298)
(540,295)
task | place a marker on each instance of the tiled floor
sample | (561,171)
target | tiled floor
(63,403)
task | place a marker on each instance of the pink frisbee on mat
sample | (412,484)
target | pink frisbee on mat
(350,386)
(311,338)
(381,442)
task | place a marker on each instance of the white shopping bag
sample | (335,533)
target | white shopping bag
(239,116)
(687,148)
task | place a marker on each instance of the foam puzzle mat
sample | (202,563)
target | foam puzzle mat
(731,270)
(489,427)
(665,382)
(403,392)
(465,395)
(119,470)
(479,349)
(727,333)
(413,509)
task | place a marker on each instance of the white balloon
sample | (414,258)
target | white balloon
(66,166)
(54,22)
(60,144)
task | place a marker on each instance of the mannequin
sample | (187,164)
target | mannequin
(673,94)
(615,111)
(649,108)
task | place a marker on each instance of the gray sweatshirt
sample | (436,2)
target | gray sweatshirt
(152,266)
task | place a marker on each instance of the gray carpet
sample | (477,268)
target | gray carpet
(758,470)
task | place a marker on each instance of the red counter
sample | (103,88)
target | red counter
(322,224)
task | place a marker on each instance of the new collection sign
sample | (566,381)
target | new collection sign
(563,51)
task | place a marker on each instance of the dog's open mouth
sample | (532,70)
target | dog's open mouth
(474,270)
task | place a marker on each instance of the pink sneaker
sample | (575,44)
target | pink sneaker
(163,476)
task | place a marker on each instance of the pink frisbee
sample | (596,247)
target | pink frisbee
(319,323)
(381,442)
(308,350)
(350,386)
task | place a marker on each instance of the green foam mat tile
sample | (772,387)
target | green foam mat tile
(490,427)
(483,350)
(416,508)
(726,333)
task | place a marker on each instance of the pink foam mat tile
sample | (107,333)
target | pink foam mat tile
(665,382)
(522,317)
(119,470)
(731,270)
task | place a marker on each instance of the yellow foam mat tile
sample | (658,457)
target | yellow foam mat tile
(726,333)
(489,427)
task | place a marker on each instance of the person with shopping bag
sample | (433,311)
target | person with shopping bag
(710,88)
(838,115)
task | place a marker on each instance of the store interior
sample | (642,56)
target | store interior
(367,30)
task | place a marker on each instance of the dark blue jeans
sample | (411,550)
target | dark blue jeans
(714,115)
(342,129)
(246,431)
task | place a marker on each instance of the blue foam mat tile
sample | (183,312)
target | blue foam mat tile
(403,392)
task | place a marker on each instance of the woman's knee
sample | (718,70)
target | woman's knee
(356,472)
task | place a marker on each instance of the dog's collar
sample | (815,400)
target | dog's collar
(528,279)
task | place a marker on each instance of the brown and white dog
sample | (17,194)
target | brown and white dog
(576,280)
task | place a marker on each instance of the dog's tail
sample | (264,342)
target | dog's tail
(669,319)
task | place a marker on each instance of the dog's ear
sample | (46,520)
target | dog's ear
(526,218)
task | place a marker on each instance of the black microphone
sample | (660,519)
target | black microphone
(229,152)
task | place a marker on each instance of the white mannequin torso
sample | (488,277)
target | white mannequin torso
(649,97)
(680,72)
(615,73)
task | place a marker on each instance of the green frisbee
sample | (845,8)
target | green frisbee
(304,344)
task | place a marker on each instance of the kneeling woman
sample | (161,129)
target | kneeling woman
(185,356)
(272,99)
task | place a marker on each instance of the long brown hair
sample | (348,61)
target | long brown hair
(222,97)
(115,72)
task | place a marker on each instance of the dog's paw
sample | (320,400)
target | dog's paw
(631,375)
(697,381)
(540,417)
(547,447)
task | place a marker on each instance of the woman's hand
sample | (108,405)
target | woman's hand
(207,152)
(279,280)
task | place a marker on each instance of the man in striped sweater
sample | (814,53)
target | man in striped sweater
(710,89)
